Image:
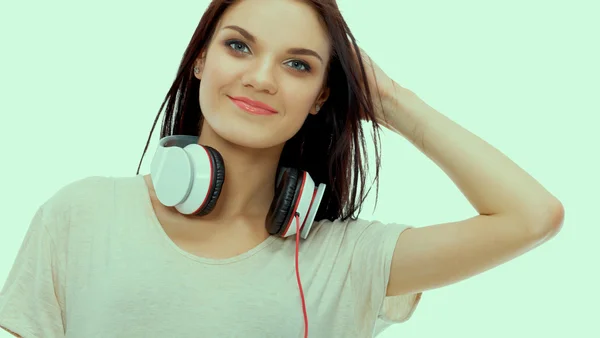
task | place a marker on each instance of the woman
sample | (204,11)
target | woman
(275,94)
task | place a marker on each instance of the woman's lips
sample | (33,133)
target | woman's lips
(253,107)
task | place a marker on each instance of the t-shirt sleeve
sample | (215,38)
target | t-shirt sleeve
(29,300)
(370,272)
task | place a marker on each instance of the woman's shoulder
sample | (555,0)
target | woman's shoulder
(86,198)
(86,190)
(350,228)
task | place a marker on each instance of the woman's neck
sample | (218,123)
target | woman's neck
(249,185)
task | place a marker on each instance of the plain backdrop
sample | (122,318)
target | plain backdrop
(81,82)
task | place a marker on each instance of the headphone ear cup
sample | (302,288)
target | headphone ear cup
(218,177)
(286,195)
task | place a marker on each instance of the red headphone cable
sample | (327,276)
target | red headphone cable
(297,216)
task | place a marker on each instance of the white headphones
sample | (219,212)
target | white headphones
(189,177)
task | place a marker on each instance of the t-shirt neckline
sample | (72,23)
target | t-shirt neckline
(145,194)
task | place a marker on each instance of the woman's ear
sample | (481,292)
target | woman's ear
(323,96)
(199,66)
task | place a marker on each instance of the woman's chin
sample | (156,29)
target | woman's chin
(248,136)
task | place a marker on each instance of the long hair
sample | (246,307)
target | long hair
(330,145)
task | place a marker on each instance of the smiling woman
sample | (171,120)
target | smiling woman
(288,75)
(262,140)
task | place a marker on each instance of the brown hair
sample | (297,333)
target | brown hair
(335,152)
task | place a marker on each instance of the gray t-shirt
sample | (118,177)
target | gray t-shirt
(96,262)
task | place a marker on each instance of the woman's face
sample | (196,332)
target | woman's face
(269,51)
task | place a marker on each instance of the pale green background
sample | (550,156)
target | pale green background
(81,83)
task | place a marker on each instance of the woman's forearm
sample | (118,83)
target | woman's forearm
(491,182)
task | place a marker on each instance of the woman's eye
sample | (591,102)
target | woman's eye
(299,66)
(238,46)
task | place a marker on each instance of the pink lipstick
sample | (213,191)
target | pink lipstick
(253,107)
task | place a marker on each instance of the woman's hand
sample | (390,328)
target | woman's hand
(389,98)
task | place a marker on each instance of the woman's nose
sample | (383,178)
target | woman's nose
(261,77)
